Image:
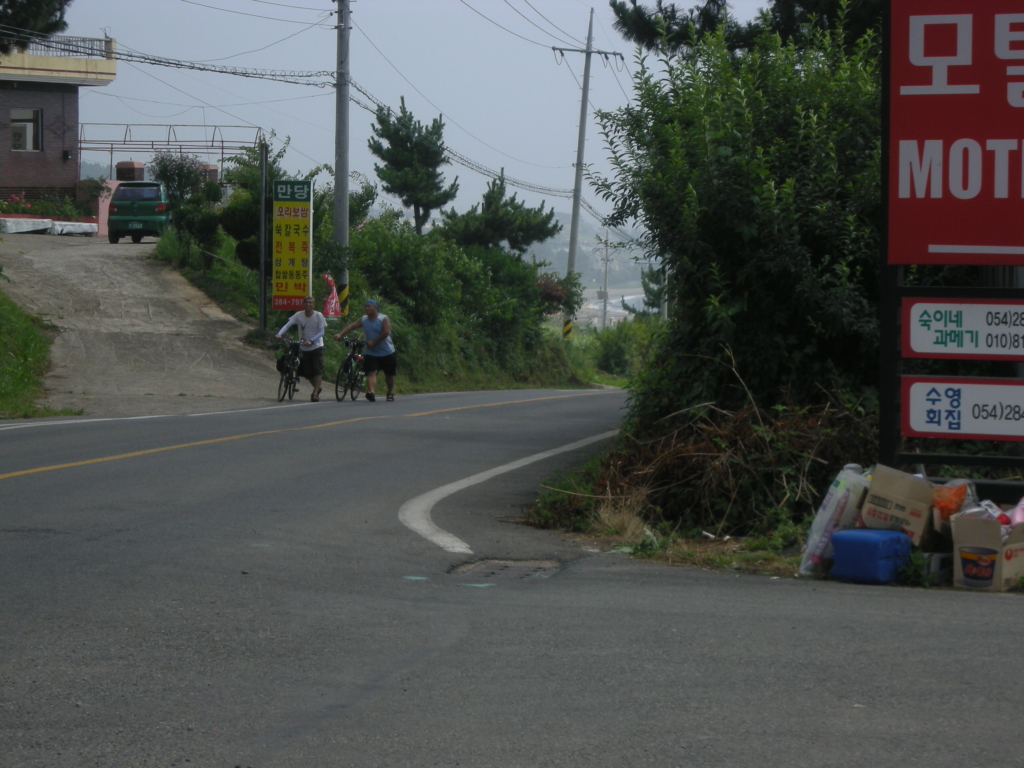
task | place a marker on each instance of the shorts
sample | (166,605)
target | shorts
(312,363)
(386,363)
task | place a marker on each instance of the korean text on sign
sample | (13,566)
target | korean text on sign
(956,158)
(291,237)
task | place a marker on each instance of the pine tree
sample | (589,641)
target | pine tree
(498,219)
(412,154)
(25,20)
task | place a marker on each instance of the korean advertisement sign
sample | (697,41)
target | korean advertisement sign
(292,244)
(956,127)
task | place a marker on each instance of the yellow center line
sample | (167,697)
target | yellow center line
(148,451)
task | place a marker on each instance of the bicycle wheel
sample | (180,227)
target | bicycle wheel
(293,383)
(355,383)
(341,381)
(282,387)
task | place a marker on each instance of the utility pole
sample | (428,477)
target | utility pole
(574,227)
(341,148)
(604,308)
(263,234)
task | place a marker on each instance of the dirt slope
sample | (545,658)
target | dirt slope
(135,337)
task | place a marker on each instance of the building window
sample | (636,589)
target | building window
(26,130)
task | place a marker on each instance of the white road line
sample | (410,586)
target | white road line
(29,425)
(415,513)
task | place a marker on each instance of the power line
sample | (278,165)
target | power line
(286,5)
(528,21)
(243,13)
(257,50)
(549,21)
(72,46)
(474,10)
(466,162)
(505,154)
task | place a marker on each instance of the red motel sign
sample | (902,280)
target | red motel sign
(956,132)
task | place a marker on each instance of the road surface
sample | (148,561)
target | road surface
(238,589)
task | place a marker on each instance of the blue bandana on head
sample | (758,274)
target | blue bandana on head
(371,301)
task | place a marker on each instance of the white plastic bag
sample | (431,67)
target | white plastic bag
(838,512)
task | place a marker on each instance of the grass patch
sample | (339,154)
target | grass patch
(24,359)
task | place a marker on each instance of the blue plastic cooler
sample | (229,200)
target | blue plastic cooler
(869,557)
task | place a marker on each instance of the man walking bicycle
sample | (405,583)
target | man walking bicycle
(379,354)
(312,327)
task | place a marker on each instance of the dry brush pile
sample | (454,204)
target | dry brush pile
(744,473)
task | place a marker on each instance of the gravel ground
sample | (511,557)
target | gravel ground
(136,338)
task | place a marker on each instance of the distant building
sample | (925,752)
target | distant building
(39,112)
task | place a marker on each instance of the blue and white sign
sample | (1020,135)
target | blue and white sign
(963,408)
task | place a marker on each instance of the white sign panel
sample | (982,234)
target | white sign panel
(961,408)
(963,328)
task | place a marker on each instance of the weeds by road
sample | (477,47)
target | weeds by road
(24,359)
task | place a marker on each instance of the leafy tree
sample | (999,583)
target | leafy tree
(180,174)
(32,18)
(498,220)
(412,154)
(240,218)
(757,179)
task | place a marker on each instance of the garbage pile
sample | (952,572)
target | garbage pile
(869,523)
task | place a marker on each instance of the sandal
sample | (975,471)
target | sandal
(391,398)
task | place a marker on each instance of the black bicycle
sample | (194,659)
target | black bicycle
(288,365)
(351,376)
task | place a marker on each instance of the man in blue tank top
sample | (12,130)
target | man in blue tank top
(380,349)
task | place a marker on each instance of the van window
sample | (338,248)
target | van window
(129,194)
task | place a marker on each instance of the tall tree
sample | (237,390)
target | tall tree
(412,155)
(756,179)
(26,20)
(497,219)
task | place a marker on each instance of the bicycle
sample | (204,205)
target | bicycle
(288,365)
(351,377)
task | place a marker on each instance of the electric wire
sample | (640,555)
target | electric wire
(94,92)
(528,21)
(286,5)
(549,21)
(71,46)
(243,13)
(483,170)
(448,117)
(257,50)
(474,10)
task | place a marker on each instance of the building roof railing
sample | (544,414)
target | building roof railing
(77,47)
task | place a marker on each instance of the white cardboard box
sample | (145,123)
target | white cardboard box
(898,501)
(981,560)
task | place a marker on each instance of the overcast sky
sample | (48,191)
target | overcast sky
(486,64)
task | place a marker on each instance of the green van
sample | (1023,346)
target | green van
(137,208)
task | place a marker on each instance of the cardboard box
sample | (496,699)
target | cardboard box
(981,560)
(897,501)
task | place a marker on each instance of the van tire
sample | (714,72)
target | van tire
(113,238)
(136,238)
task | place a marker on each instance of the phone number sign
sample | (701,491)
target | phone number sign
(963,408)
(956,105)
(291,249)
(961,329)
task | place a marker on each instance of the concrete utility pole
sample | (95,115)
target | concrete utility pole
(574,227)
(604,307)
(263,235)
(341,147)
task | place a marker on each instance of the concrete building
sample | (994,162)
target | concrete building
(39,112)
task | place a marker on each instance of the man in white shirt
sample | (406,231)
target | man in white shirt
(311,326)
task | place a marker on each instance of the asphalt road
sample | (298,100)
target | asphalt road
(237,589)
